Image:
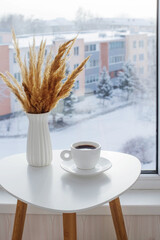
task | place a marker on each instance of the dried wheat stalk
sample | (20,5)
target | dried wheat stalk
(40,92)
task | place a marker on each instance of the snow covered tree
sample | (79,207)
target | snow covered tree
(104,88)
(68,104)
(128,81)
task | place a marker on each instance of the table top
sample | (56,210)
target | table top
(53,188)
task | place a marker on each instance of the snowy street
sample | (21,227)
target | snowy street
(111,130)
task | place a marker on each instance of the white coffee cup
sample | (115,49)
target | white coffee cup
(84,154)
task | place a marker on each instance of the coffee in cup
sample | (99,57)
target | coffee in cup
(84,154)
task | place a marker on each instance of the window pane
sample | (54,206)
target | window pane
(113,100)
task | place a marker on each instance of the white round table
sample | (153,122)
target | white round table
(54,189)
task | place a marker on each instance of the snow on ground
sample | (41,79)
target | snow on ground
(111,130)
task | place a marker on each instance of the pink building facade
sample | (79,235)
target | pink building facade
(5,100)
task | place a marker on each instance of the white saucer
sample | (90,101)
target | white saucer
(103,165)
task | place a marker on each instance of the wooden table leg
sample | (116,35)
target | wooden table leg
(69,226)
(19,220)
(118,220)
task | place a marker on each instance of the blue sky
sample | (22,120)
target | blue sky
(50,9)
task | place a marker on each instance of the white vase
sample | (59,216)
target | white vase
(39,147)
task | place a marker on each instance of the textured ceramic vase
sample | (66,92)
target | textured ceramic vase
(39,147)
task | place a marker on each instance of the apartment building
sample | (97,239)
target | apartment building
(8,63)
(92,68)
(116,56)
(151,53)
(106,49)
(76,56)
(136,53)
(113,57)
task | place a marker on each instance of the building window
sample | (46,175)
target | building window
(116,59)
(86,48)
(87,80)
(76,51)
(92,78)
(119,44)
(92,63)
(91,47)
(141,43)
(14,57)
(134,58)
(76,85)
(134,44)
(76,65)
(141,57)
(17,76)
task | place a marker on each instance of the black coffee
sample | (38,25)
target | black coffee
(85,147)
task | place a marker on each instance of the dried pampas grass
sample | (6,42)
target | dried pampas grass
(40,92)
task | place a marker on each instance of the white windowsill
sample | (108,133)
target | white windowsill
(134,202)
(147,182)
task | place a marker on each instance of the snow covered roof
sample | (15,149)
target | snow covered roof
(88,37)
(102,36)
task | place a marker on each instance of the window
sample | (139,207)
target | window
(141,43)
(14,57)
(76,85)
(86,48)
(141,57)
(114,45)
(126,49)
(134,58)
(17,76)
(134,44)
(92,63)
(116,59)
(76,51)
(76,65)
(91,47)
(92,79)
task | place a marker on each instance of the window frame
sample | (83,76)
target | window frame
(14,58)
(141,57)
(134,44)
(158,86)
(151,179)
(76,51)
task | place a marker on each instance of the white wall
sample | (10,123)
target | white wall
(49,227)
